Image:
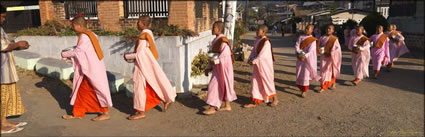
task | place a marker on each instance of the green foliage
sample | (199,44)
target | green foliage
(55,28)
(199,64)
(240,29)
(130,34)
(371,21)
(50,28)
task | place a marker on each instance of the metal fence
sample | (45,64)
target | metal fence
(87,8)
(152,8)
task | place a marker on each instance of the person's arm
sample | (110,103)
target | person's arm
(311,49)
(225,52)
(264,53)
(366,45)
(83,44)
(14,46)
(132,56)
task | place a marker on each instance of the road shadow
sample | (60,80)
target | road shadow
(284,72)
(59,90)
(191,101)
(123,103)
(287,90)
(242,100)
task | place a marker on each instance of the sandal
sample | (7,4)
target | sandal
(21,124)
(13,130)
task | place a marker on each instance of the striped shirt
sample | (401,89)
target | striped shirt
(8,70)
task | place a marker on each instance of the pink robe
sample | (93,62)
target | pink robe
(220,87)
(307,69)
(360,61)
(380,56)
(86,63)
(397,48)
(148,70)
(262,81)
(330,65)
(353,33)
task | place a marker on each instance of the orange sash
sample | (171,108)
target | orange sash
(330,43)
(147,37)
(308,41)
(94,42)
(362,40)
(217,47)
(381,41)
(393,33)
(261,45)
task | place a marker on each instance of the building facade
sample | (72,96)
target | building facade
(408,15)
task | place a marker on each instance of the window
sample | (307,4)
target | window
(402,8)
(152,8)
(87,8)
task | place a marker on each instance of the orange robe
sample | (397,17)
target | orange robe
(86,100)
(152,98)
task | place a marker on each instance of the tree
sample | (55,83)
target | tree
(351,23)
(371,21)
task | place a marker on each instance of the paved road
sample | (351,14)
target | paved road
(391,105)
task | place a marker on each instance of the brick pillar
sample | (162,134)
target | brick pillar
(108,13)
(206,16)
(182,13)
(47,11)
(59,8)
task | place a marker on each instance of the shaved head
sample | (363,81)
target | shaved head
(79,20)
(219,25)
(264,28)
(310,26)
(145,19)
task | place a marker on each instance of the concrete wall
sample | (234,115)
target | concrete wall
(175,53)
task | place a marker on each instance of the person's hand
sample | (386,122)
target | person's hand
(250,62)
(125,57)
(301,57)
(320,50)
(207,71)
(22,44)
(355,50)
(327,54)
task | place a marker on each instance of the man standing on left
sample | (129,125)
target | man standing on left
(11,102)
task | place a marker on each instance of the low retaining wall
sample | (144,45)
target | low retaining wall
(175,53)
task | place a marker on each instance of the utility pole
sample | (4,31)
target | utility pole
(230,20)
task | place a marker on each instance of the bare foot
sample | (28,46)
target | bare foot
(274,103)
(68,117)
(249,105)
(356,82)
(136,116)
(104,116)
(210,111)
(321,90)
(8,124)
(333,87)
(166,105)
(225,109)
(303,94)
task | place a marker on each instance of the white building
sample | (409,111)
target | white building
(340,17)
